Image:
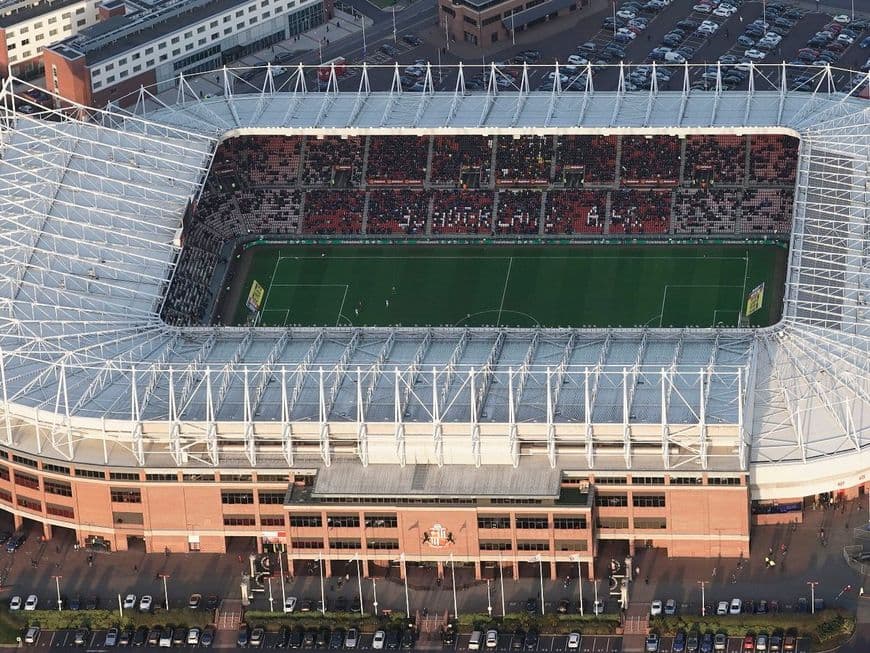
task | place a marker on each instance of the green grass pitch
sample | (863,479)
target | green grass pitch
(512,286)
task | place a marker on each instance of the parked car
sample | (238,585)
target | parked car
(671,607)
(243,635)
(652,643)
(207,637)
(140,637)
(413,40)
(31,602)
(82,637)
(111,638)
(378,640)
(179,636)
(15,603)
(194,601)
(573,641)
(655,608)
(31,635)
(722,608)
(145,603)
(351,638)
(193,636)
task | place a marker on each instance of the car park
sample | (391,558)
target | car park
(745,41)
(708,27)
(736,606)
(748,644)
(15,542)
(598,607)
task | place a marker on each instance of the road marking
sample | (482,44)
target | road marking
(504,290)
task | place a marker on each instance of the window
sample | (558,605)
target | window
(345,544)
(80,10)
(237,478)
(307,544)
(469,20)
(648,500)
(213,24)
(39,37)
(135,56)
(572,545)
(6,496)
(188,35)
(21,460)
(188,47)
(56,469)
(493,522)
(176,52)
(30,504)
(382,521)
(447,10)
(491,20)
(507,502)
(239,13)
(126,495)
(495,545)
(533,546)
(201,42)
(253,19)
(306,521)
(161,46)
(686,480)
(122,75)
(4,472)
(11,46)
(162,478)
(342,521)
(610,480)
(272,520)
(239,520)
(569,523)
(52,32)
(648,480)
(97,84)
(228,30)
(613,522)
(237,497)
(383,545)
(164,57)
(538,523)
(60,511)
(723,480)
(81,23)
(52,20)
(130,518)
(149,50)
(271,497)
(648,523)
(26,480)
(198,478)
(200,29)
(149,63)
(24,29)
(122,61)
(252,9)
(110,79)
(175,39)
(611,500)
(124,476)
(271,478)
(109,66)
(60,488)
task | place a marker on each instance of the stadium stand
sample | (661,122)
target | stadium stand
(713,211)
(333,162)
(518,212)
(766,211)
(397,159)
(524,161)
(462,212)
(650,160)
(773,158)
(461,161)
(640,211)
(333,212)
(397,212)
(715,160)
(575,212)
(585,160)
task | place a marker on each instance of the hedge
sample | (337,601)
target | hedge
(102,619)
(550,623)
(823,626)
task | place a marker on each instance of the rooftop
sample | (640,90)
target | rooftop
(145,21)
(13,12)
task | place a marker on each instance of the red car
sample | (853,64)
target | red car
(749,643)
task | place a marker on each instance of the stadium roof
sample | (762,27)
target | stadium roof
(90,216)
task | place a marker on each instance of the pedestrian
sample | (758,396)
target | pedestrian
(338,23)
(135,569)
(646,581)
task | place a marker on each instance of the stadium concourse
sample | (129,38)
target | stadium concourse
(480,445)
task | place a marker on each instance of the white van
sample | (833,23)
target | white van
(476,640)
(674,57)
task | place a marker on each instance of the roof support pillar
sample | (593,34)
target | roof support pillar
(135,417)
(437,430)
(286,429)
(513,443)
(626,427)
(250,437)
(6,417)
(211,425)
(362,442)
(587,417)
(475,427)
(324,425)
(551,429)
(397,418)
(666,449)
(702,416)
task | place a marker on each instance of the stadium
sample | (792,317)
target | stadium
(465,326)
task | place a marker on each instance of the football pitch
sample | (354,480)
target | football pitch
(511,286)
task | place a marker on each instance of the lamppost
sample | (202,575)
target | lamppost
(703,583)
(271,599)
(540,562)
(359,584)
(57,584)
(405,576)
(579,580)
(322,588)
(283,590)
(488,599)
(501,581)
(165,590)
(453,577)
(375,595)
(595,605)
(812,584)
